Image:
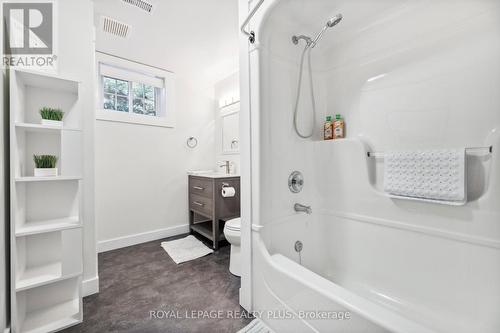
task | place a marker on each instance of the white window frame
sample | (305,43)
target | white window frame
(166,99)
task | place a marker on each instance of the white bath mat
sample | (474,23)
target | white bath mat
(256,326)
(185,249)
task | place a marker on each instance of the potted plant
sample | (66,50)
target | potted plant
(45,165)
(51,116)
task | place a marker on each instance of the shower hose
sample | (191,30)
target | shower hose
(307,50)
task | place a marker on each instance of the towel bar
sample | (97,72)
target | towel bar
(483,150)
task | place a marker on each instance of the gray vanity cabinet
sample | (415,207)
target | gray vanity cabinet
(208,209)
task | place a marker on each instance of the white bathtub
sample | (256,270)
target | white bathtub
(389,279)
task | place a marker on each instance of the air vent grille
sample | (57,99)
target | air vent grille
(144,5)
(115,27)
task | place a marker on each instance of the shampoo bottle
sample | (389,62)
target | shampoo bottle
(338,127)
(328,129)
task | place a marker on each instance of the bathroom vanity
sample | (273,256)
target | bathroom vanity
(208,209)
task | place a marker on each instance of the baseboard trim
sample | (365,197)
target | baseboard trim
(120,242)
(90,286)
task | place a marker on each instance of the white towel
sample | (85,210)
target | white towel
(185,249)
(427,175)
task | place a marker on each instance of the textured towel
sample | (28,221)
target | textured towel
(185,249)
(430,175)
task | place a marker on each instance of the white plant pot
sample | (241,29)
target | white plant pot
(45,172)
(49,122)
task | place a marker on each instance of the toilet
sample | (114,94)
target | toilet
(232,232)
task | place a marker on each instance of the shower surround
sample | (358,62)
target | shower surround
(405,75)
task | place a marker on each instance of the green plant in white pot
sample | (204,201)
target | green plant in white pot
(52,117)
(45,165)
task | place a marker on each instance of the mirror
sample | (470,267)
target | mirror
(231,132)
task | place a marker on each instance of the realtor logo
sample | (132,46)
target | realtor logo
(28,34)
(29,28)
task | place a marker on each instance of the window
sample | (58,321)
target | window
(128,96)
(134,93)
(144,99)
(116,94)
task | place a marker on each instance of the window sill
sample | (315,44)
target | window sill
(122,117)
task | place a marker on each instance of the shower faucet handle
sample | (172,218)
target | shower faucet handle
(295,182)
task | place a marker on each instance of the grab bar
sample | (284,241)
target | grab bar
(250,34)
(483,150)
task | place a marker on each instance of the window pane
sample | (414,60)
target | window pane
(109,85)
(122,87)
(138,89)
(149,108)
(109,102)
(149,92)
(122,103)
(138,106)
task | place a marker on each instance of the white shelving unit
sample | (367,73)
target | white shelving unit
(46,219)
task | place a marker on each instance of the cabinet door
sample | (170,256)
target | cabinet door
(227,207)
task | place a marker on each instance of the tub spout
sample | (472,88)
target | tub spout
(301,208)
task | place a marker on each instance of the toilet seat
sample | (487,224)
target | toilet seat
(234,224)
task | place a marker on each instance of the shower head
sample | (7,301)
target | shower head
(312,43)
(334,21)
(331,23)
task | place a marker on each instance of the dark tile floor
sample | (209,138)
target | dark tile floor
(139,279)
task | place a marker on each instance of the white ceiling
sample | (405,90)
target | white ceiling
(196,39)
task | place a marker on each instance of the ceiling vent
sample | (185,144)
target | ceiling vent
(114,27)
(144,5)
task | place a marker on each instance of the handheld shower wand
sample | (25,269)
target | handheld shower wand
(310,44)
(330,24)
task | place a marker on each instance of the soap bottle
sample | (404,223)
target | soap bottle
(328,129)
(338,127)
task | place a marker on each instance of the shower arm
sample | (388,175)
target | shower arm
(250,34)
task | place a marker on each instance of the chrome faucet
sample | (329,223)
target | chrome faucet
(227,165)
(301,208)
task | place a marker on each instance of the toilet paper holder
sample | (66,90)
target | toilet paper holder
(227,187)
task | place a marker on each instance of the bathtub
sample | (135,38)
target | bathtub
(383,290)
(389,265)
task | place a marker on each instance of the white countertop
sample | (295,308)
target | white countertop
(211,174)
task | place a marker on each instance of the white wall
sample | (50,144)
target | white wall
(76,60)
(75,54)
(141,180)
(246,166)
(226,88)
(4,221)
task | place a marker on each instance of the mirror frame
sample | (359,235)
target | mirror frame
(230,110)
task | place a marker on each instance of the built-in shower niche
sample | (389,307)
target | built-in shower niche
(478,173)
(49,308)
(48,257)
